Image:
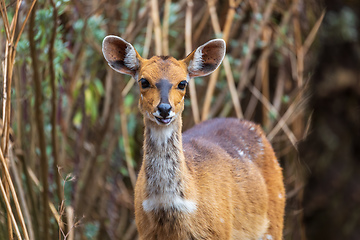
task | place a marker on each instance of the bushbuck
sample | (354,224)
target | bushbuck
(219,179)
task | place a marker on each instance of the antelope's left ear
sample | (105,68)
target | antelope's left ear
(121,55)
(206,58)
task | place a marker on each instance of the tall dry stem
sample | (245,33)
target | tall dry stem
(157,28)
(8,66)
(188,49)
(40,127)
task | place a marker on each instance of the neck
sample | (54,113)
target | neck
(165,168)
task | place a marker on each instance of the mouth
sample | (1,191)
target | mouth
(164,120)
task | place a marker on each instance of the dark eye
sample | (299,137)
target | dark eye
(144,83)
(182,85)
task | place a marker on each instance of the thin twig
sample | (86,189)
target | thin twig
(188,49)
(310,38)
(157,28)
(54,137)
(165,28)
(230,79)
(5,19)
(285,118)
(23,25)
(145,54)
(271,108)
(107,95)
(231,83)
(14,195)
(201,26)
(8,207)
(17,180)
(254,35)
(40,126)
(49,204)
(148,36)
(214,75)
(125,134)
(14,21)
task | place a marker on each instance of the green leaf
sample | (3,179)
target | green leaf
(129,99)
(99,86)
(77,119)
(285,99)
(91,230)
(90,104)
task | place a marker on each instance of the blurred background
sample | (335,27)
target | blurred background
(71,142)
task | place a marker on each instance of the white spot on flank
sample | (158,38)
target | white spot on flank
(169,202)
(222,220)
(261,145)
(280,195)
(241,153)
(276,161)
(269,237)
(252,129)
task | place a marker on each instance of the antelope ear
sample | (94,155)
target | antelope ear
(121,55)
(206,58)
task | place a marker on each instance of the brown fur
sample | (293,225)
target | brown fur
(156,69)
(218,180)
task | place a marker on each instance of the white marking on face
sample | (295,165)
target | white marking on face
(280,195)
(170,201)
(172,115)
(157,114)
(252,129)
(269,237)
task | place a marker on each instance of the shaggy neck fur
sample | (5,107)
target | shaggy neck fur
(165,168)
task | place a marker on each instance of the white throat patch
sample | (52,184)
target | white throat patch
(161,135)
(167,202)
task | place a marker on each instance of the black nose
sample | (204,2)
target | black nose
(164,109)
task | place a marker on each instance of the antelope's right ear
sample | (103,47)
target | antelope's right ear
(121,55)
(206,58)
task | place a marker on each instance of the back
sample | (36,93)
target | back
(240,139)
(226,141)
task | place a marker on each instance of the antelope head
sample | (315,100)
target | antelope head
(162,79)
